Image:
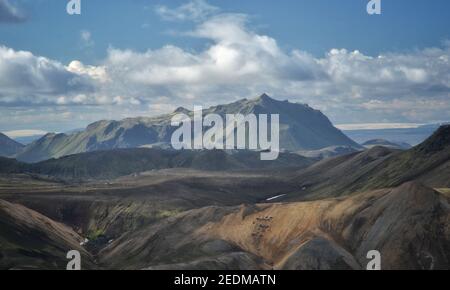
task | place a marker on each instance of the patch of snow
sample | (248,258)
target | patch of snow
(275,197)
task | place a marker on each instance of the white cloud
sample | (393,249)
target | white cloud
(26,78)
(195,10)
(95,72)
(240,63)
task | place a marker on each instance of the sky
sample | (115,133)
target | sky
(132,58)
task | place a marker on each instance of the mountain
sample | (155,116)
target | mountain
(429,162)
(379,167)
(325,216)
(9,147)
(26,140)
(29,240)
(385,143)
(406,225)
(301,128)
(338,175)
(413,136)
(120,162)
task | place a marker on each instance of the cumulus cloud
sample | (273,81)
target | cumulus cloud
(26,78)
(95,72)
(9,13)
(240,62)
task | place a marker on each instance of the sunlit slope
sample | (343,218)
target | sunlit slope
(408,225)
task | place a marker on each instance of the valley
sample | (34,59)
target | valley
(147,227)
(155,208)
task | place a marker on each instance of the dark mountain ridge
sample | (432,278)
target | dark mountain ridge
(120,162)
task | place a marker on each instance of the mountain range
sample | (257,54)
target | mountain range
(118,194)
(120,162)
(340,209)
(326,215)
(301,128)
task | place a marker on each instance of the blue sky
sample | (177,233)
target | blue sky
(308,51)
(311,25)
